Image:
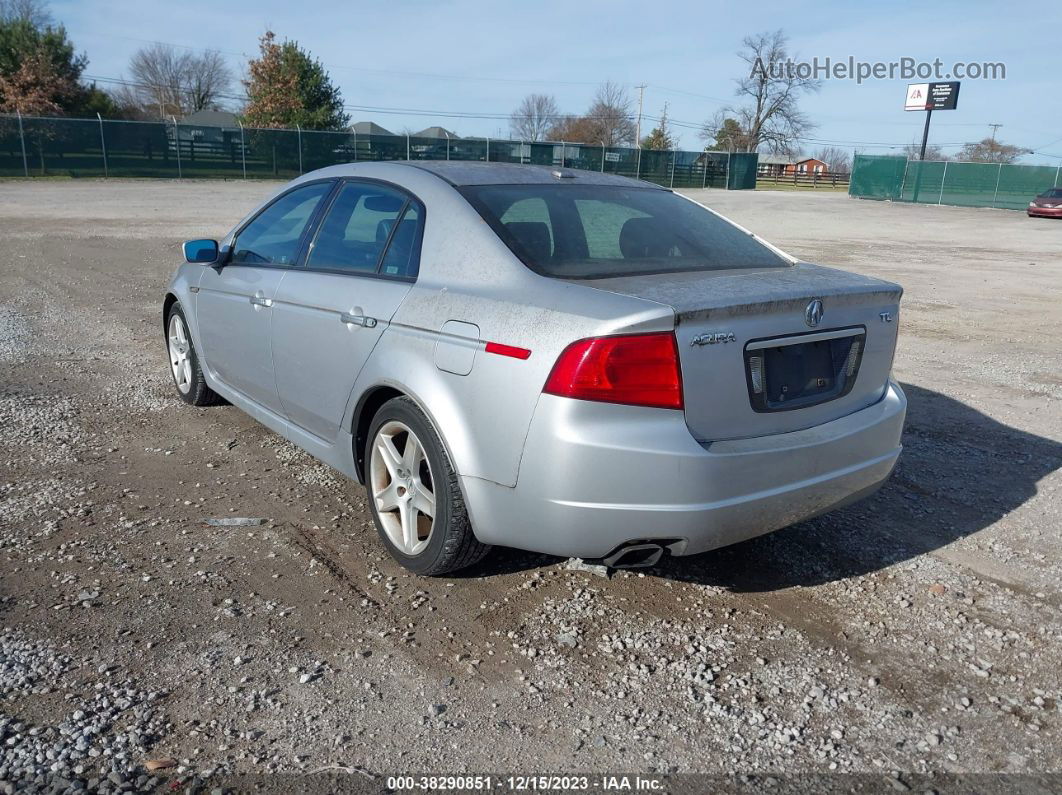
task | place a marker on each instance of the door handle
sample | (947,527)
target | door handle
(261,300)
(357,320)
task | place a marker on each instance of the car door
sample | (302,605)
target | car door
(331,310)
(234,301)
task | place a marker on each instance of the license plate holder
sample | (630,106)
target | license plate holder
(802,370)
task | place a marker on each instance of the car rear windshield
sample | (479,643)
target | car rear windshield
(600,231)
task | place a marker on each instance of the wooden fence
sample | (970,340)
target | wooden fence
(805,179)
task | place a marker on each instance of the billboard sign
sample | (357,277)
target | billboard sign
(932,96)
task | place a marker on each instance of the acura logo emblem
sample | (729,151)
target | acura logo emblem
(813,314)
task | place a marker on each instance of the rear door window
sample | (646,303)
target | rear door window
(356,229)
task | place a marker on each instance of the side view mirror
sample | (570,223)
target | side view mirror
(203,251)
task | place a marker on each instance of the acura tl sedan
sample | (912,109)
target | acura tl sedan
(562,361)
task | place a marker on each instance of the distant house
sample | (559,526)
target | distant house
(779,165)
(772,165)
(434,132)
(368,128)
(212,118)
(210,128)
(809,165)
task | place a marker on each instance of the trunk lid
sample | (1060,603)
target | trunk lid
(753,364)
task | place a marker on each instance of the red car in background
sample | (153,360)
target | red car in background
(1047,205)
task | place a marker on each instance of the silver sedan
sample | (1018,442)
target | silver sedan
(561,361)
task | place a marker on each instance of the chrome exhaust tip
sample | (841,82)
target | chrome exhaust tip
(634,556)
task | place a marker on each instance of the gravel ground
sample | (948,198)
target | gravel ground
(915,634)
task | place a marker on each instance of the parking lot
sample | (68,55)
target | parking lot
(918,631)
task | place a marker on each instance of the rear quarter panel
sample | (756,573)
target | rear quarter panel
(467,274)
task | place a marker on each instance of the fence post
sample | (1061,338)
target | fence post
(564,154)
(943,177)
(995,193)
(728,169)
(407,146)
(447,144)
(674,158)
(488,148)
(355,146)
(22,140)
(103,145)
(298,129)
(704,173)
(1057,170)
(177,142)
(638,167)
(243,149)
(602,159)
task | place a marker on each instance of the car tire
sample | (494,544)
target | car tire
(187,373)
(405,484)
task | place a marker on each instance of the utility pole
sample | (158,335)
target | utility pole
(994,128)
(641,96)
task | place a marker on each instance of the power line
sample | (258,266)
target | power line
(504,116)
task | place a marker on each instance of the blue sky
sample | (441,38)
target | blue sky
(468,57)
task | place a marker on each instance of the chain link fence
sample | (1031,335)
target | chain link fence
(1009,187)
(40,147)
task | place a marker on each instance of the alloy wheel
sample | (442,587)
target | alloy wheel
(402,487)
(180,354)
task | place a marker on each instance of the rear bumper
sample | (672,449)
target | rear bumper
(595,476)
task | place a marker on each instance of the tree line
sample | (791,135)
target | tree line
(41,73)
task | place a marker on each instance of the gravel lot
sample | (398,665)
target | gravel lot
(918,632)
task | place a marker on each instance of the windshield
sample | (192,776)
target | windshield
(598,231)
(1053,193)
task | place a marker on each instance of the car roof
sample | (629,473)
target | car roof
(460,173)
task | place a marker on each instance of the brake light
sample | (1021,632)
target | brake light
(636,370)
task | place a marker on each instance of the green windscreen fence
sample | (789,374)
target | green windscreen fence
(999,185)
(42,147)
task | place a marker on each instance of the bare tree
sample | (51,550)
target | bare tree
(34,12)
(989,150)
(572,129)
(933,152)
(536,114)
(769,114)
(171,82)
(611,116)
(837,160)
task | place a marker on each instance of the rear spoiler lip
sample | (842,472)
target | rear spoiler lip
(697,294)
(884,296)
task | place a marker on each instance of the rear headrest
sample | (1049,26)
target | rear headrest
(383,229)
(640,238)
(533,237)
(404,236)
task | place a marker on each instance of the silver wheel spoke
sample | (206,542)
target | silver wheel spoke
(424,501)
(387,498)
(409,526)
(391,459)
(412,455)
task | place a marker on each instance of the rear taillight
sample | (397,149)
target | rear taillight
(637,370)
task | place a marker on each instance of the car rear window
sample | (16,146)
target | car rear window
(600,231)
